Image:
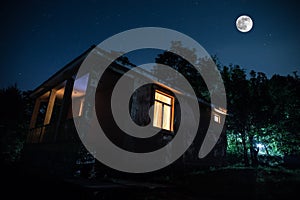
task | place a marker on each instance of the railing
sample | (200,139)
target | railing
(49,134)
(41,134)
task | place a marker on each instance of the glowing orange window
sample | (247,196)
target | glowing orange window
(163,111)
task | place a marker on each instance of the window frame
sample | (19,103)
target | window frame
(172,105)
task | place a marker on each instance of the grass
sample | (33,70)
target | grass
(238,182)
(231,182)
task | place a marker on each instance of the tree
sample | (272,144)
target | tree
(14,120)
(285,95)
(259,110)
(237,91)
(265,113)
(184,68)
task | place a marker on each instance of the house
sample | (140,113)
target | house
(53,144)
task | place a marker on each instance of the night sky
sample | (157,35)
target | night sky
(40,37)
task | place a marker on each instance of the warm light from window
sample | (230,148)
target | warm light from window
(163,111)
(81,107)
(221,110)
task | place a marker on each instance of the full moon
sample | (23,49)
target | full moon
(244,23)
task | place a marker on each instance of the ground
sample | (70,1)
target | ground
(219,183)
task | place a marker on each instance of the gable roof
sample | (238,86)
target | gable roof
(72,67)
(61,75)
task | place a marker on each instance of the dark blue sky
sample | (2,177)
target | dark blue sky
(40,37)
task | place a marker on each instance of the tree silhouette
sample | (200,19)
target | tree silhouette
(263,111)
(184,68)
(15,112)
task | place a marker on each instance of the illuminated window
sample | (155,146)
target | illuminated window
(78,96)
(217,118)
(163,111)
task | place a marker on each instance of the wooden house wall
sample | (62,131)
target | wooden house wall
(64,153)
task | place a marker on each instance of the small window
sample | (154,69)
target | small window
(163,111)
(217,118)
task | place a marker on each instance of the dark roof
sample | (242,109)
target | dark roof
(71,69)
(61,75)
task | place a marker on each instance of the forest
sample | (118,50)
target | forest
(264,112)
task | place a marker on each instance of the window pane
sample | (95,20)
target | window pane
(167,117)
(157,118)
(217,118)
(163,98)
(80,85)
